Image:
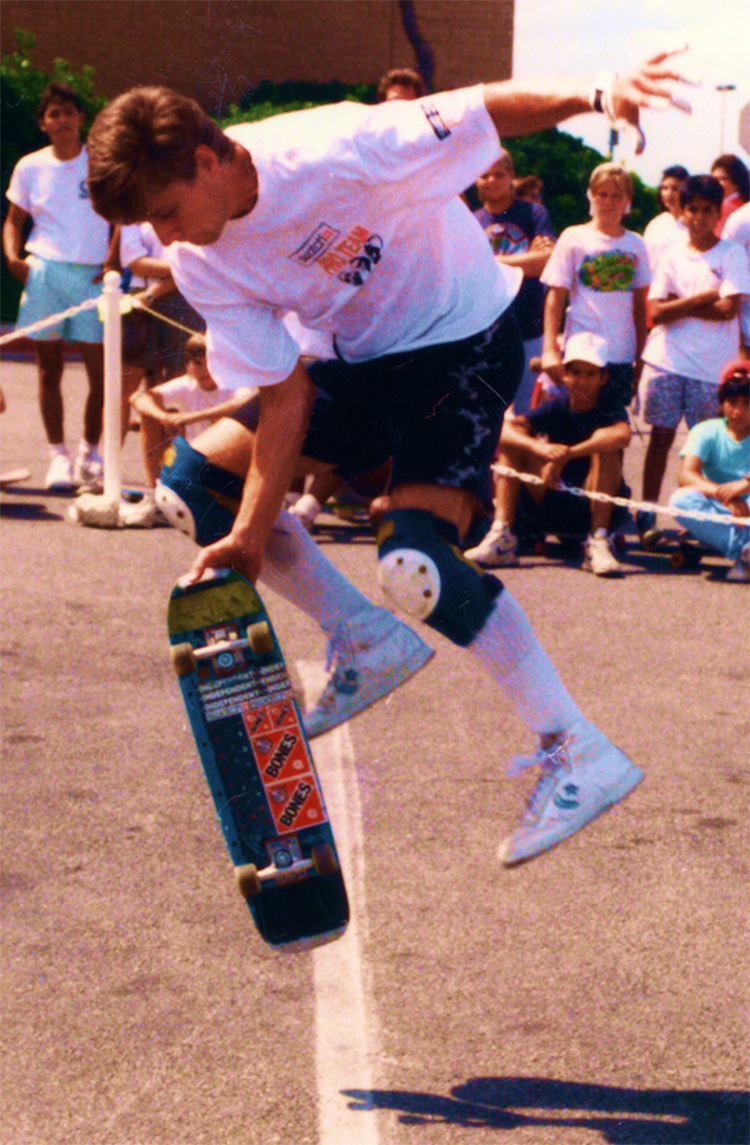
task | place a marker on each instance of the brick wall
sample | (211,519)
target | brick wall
(215,49)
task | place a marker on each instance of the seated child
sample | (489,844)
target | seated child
(572,438)
(181,406)
(715,473)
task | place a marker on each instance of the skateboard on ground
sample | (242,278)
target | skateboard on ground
(248,730)
(684,551)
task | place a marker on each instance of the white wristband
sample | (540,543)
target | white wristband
(601,93)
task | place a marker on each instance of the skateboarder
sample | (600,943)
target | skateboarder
(351,216)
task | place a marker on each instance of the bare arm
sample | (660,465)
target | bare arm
(519,107)
(533,261)
(284,416)
(731,493)
(554,309)
(666,310)
(608,439)
(13,242)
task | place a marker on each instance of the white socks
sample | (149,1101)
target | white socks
(295,568)
(510,652)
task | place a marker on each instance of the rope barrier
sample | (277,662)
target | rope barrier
(625,502)
(44,323)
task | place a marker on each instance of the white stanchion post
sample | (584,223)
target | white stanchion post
(112,388)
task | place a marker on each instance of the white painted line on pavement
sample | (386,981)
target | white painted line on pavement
(346,1037)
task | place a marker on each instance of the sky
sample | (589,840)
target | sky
(582,37)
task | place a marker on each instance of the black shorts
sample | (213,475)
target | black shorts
(436,411)
(561,514)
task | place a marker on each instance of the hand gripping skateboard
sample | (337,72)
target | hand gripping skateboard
(249,734)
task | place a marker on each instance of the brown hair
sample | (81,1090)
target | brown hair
(615,172)
(143,141)
(404,77)
(195,347)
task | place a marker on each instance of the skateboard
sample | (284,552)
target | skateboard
(683,551)
(13,476)
(248,730)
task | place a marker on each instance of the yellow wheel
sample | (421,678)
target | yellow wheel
(183,659)
(261,640)
(324,860)
(248,880)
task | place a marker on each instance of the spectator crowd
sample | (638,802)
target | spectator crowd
(611,322)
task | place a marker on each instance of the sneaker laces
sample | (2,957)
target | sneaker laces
(551,756)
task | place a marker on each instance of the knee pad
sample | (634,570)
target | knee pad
(198,498)
(423,572)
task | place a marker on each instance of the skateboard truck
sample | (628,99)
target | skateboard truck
(286,866)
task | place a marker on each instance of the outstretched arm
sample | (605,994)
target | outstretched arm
(520,107)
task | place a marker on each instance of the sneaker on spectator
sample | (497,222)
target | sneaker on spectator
(598,557)
(89,467)
(739,573)
(582,776)
(499,549)
(60,474)
(368,656)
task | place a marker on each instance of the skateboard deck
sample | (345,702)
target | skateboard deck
(248,730)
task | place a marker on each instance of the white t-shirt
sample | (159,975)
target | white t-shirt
(600,274)
(184,395)
(737,230)
(54,192)
(696,347)
(660,233)
(139,240)
(359,229)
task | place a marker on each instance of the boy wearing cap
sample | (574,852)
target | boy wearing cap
(572,438)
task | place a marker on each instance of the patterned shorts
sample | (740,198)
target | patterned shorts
(436,411)
(667,397)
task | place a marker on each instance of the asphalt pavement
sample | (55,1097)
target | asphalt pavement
(596,995)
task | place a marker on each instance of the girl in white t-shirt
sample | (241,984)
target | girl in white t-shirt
(667,228)
(600,271)
(66,250)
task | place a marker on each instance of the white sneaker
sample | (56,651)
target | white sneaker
(583,774)
(499,549)
(739,573)
(89,466)
(306,507)
(60,474)
(368,656)
(598,557)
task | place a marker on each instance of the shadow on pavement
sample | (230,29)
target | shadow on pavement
(617,1116)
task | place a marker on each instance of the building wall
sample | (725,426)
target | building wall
(215,50)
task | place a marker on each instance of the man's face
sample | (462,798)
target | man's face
(583,382)
(400,91)
(190,212)
(495,186)
(61,121)
(700,216)
(669,189)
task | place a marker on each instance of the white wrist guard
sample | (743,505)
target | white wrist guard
(601,94)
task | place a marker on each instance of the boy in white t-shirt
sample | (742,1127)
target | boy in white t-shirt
(66,251)
(182,406)
(694,304)
(351,216)
(600,271)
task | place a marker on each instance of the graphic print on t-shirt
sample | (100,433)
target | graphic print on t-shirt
(507,238)
(608,271)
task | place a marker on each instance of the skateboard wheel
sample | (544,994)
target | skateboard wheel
(260,638)
(183,659)
(324,860)
(677,560)
(248,880)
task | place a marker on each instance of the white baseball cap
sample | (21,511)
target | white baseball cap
(586,347)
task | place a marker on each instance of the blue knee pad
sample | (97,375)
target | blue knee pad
(198,498)
(424,573)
